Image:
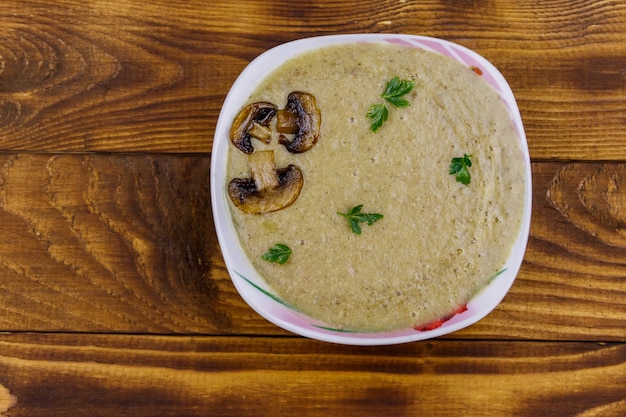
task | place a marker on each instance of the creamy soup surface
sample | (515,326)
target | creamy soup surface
(439,241)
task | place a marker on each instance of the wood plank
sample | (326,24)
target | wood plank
(126,243)
(106,375)
(114,76)
(570,279)
(116,243)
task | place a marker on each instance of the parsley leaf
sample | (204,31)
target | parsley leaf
(396,88)
(279,254)
(459,166)
(377,114)
(355,218)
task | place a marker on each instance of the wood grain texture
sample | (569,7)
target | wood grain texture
(120,76)
(126,243)
(117,243)
(114,297)
(593,197)
(75,375)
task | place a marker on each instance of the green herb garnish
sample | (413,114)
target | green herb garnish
(459,166)
(355,218)
(377,114)
(396,88)
(279,254)
(394,92)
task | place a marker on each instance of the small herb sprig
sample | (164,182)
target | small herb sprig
(355,217)
(394,92)
(279,253)
(459,166)
(378,114)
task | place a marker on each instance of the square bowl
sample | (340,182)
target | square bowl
(248,282)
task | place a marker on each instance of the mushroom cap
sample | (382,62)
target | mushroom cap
(269,188)
(308,120)
(252,121)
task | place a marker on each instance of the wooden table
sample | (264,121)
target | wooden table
(114,298)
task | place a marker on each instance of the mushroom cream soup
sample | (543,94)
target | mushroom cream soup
(439,241)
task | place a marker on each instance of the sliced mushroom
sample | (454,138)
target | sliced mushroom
(252,122)
(269,188)
(301,117)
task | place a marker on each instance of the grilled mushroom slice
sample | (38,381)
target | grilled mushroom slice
(301,117)
(269,188)
(252,122)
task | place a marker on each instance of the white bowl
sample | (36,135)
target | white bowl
(247,280)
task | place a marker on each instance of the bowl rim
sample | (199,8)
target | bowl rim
(248,282)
